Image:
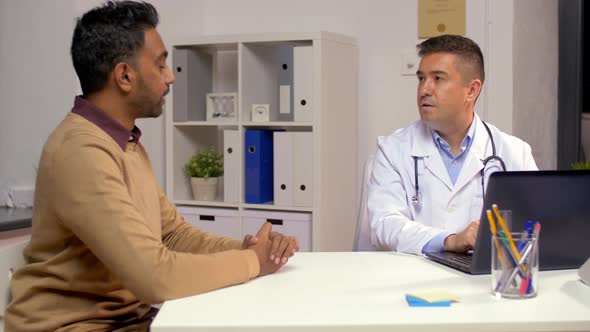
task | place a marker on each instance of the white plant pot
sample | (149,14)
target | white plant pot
(204,189)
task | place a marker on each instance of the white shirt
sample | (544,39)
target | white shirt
(445,208)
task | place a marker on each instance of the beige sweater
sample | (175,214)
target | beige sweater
(106,242)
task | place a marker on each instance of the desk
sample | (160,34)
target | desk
(352,291)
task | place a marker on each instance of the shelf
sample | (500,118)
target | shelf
(205,124)
(278,124)
(307,82)
(206,203)
(276,208)
(250,124)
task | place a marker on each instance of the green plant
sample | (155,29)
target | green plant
(580,165)
(204,164)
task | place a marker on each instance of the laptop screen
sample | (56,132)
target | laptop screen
(559,200)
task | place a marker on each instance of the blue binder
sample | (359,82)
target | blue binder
(258,168)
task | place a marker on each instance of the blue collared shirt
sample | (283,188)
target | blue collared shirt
(453,165)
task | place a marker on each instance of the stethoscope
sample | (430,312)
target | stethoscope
(417,198)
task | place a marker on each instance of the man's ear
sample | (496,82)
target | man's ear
(474,90)
(124,76)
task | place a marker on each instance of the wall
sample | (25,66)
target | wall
(44,87)
(535,78)
(36,89)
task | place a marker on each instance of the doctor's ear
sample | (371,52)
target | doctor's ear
(474,90)
(124,76)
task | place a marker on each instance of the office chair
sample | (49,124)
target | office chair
(362,240)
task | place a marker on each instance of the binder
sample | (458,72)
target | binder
(193,80)
(303,83)
(303,169)
(258,157)
(286,83)
(231,167)
(283,168)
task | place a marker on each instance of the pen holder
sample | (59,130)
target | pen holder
(515,265)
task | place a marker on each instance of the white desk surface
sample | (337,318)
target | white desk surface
(351,291)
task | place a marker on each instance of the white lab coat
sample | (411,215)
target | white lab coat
(445,208)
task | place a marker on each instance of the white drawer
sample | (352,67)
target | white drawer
(222,222)
(295,224)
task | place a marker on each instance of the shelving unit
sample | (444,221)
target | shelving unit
(323,104)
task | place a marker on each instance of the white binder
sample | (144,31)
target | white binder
(302,168)
(303,83)
(283,168)
(231,167)
(193,80)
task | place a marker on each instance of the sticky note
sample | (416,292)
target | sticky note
(435,296)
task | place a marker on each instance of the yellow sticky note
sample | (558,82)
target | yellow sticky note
(435,296)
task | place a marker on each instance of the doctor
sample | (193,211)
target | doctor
(426,189)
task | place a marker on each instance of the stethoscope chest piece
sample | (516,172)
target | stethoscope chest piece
(417,200)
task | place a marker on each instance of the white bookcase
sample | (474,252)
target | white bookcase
(323,105)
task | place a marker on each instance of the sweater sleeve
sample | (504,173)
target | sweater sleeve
(179,235)
(92,200)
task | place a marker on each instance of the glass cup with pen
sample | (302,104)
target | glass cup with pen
(515,258)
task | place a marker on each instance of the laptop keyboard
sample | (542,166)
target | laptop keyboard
(466,260)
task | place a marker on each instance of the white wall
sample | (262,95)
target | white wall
(535,78)
(384,29)
(36,85)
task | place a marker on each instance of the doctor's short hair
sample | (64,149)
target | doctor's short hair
(465,48)
(107,35)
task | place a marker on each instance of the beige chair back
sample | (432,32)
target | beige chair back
(362,241)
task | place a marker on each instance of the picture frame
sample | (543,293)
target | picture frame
(222,106)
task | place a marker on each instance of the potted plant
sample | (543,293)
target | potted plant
(204,168)
(581,165)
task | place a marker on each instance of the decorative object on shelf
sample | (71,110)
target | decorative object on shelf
(222,106)
(204,168)
(260,112)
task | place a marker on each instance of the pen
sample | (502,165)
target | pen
(506,231)
(494,233)
(517,260)
(527,250)
(526,234)
(535,238)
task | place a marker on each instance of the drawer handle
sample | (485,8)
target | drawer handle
(275,221)
(209,218)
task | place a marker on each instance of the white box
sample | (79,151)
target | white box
(222,222)
(297,224)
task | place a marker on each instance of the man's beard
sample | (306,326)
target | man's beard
(145,105)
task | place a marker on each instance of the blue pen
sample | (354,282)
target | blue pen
(526,234)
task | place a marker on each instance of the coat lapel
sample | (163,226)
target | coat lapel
(423,147)
(474,160)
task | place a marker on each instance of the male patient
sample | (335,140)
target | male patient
(426,190)
(106,242)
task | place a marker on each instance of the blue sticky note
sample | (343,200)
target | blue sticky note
(417,302)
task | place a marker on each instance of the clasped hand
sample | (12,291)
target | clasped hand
(273,249)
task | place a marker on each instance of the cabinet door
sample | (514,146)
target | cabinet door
(222,222)
(288,223)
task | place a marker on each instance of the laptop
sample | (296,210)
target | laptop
(559,200)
